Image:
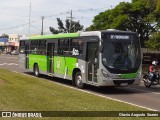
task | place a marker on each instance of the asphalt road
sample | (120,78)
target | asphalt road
(137,95)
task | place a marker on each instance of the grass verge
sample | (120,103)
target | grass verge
(25,93)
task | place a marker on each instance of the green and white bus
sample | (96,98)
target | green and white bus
(99,58)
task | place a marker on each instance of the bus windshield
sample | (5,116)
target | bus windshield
(121,56)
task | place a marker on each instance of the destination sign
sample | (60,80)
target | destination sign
(124,37)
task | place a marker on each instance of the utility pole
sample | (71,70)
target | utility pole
(29,18)
(42,25)
(71,18)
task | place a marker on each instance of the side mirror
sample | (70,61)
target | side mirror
(101,48)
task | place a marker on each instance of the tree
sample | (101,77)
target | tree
(75,26)
(141,16)
(4,36)
(154,41)
(54,31)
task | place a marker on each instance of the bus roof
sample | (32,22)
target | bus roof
(61,35)
(78,34)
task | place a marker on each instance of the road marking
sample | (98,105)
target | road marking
(100,95)
(144,91)
(4,57)
(8,64)
(93,93)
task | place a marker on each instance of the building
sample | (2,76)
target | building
(13,42)
(3,40)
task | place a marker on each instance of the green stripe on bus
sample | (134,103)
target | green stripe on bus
(61,35)
(128,76)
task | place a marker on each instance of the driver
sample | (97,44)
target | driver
(153,69)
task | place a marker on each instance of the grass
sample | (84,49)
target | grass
(25,93)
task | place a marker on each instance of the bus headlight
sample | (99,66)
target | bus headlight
(105,74)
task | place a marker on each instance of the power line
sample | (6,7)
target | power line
(19,25)
(22,16)
(62,13)
(35,27)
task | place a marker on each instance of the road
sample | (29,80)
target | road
(138,95)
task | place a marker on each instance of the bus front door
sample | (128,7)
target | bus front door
(92,59)
(50,54)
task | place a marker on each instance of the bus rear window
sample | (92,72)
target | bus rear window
(22,47)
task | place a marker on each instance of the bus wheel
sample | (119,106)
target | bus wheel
(36,70)
(78,80)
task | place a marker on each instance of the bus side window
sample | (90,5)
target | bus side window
(76,47)
(42,47)
(34,46)
(70,47)
(80,46)
(66,46)
(60,43)
(63,46)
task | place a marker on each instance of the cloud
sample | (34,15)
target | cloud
(16,13)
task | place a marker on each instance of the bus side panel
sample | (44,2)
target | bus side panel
(63,66)
(70,65)
(82,65)
(59,65)
(41,60)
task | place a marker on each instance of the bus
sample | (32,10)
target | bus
(99,58)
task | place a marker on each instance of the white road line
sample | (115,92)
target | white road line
(96,94)
(8,64)
(144,90)
(9,57)
(110,98)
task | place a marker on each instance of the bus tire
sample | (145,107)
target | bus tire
(78,80)
(36,70)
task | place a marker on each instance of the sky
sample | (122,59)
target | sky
(17,14)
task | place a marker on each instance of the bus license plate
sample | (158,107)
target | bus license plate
(124,84)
